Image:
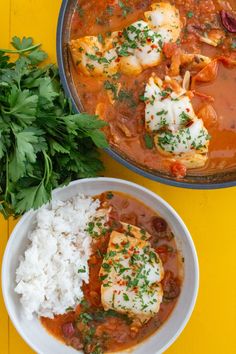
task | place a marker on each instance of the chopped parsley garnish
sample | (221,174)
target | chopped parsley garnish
(125,297)
(190,14)
(122,270)
(134,281)
(160,43)
(110,254)
(109,195)
(160,113)
(79,10)
(104,231)
(143,98)
(90,227)
(124,95)
(107,285)
(110,10)
(100,39)
(69,309)
(90,66)
(125,9)
(144,306)
(163,122)
(111,86)
(165,92)
(106,266)
(116,76)
(143,232)
(100,315)
(152,257)
(82,270)
(167,139)
(123,51)
(184,118)
(148,141)
(127,95)
(100,60)
(85,317)
(84,303)
(95,229)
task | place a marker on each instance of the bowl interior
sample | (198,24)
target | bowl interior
(32,331)
(194,179)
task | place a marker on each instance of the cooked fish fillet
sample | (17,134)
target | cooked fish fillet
(194,137)
(131,273)
(169,115)
(164,18)
(91,58)
(131,50)
(165,108)
(143,48)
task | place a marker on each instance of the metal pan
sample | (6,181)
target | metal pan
(221,179)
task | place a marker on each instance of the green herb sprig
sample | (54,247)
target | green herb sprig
(43,145)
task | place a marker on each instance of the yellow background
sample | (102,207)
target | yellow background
(209,215)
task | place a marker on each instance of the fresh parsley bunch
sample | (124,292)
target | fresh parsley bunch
(43,145)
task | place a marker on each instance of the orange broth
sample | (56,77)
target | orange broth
(96,17)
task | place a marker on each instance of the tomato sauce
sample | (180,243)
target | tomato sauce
(114,332)
(126,128)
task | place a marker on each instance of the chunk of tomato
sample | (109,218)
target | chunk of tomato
(178,170)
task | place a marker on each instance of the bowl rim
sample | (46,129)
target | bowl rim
(144,190)
(115,155)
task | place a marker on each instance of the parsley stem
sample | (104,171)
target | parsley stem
(48,168)
(13,51)
(7,178)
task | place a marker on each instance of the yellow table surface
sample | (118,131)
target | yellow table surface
(209,215)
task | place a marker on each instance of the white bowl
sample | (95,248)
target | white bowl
(32,331)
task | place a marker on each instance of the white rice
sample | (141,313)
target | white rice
(47,278)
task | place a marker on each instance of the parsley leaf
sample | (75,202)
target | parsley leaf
(125,9)
(22,105)
(190,14)
(26,47)
(21,44)
(35,196)
(25,151)
(100,38)
(125,297)
(148,141)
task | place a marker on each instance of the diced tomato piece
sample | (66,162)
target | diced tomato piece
(169,49)
(229,62)
(178,170)
(162,249)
